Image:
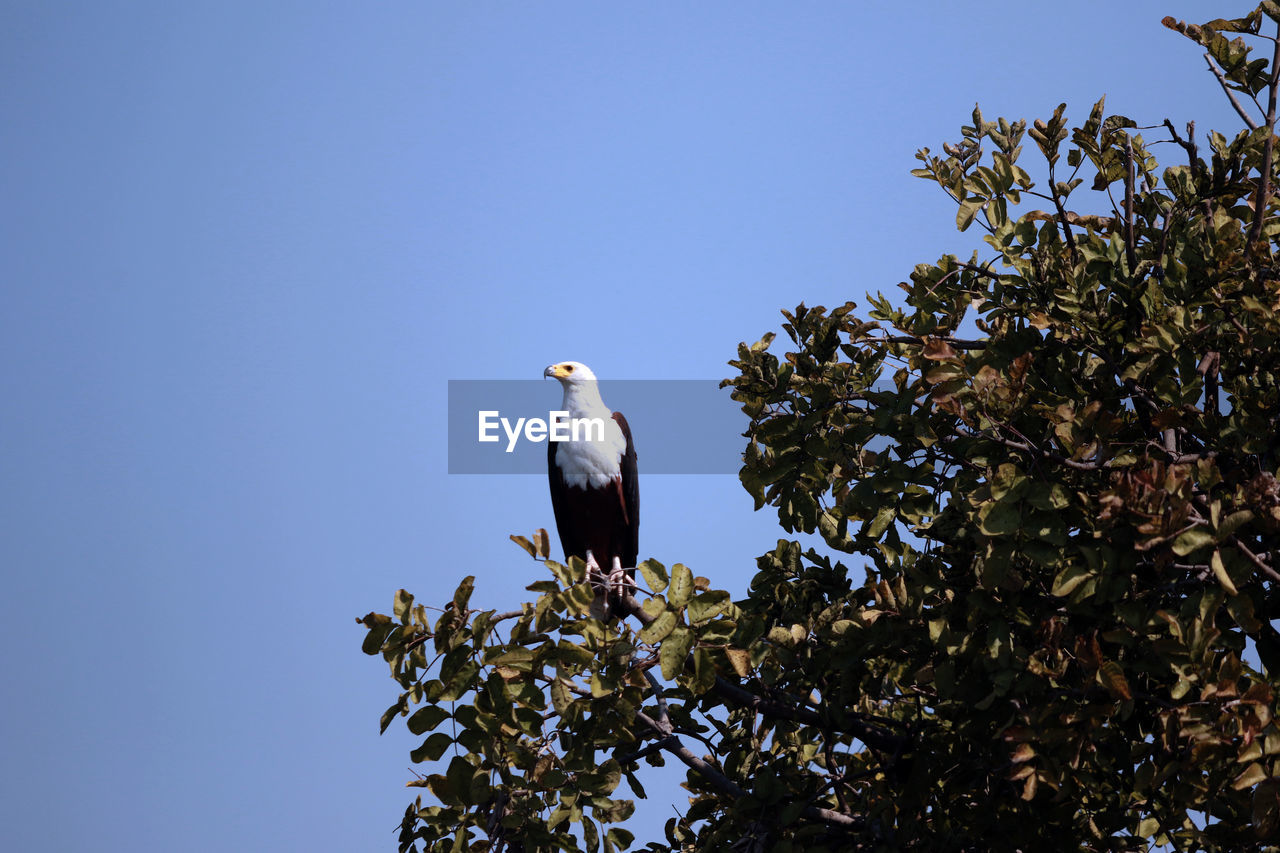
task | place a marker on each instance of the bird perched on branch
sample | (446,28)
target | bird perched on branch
(594,490)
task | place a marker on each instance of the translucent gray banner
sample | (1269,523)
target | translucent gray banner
(680,426)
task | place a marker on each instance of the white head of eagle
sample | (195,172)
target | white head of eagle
(594,490)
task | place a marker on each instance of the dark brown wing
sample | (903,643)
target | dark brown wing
(630,495)
(559,502)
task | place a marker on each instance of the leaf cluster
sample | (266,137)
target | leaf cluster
(516,707)
(1069,518)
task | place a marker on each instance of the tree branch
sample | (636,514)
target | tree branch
(1235,540)
(1130,246)
(955,342)
(668,742)
(1027,447)
(722,783)
(869,734)
(1264,181)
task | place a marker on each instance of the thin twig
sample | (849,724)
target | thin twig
(502,617)
(1255,559)
(1222,81)
(1067,235)
(1188,145)
(663,716)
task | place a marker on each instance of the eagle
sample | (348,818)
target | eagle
(594,491)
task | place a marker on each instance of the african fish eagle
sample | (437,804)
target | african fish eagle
(594,490)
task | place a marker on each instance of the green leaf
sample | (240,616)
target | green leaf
(705,605)
(1192,540)
(1266,809)
(460,774)
(378,633)
(1220,572)
(403,604)
(659,628)
(1069,578)
(999,518)
(654,574)
(884,517)
(602,685)
(561,697)
(704,671)
(462,595)
(1112,677)
(681,586)
(391,713)
(654,607)
(431,749)
(573,654)
(620,838)
(525,544)
(427,718)
(519,658)
(1232,523)
(1250,776)
(674,651)
(460,681)
(967,211)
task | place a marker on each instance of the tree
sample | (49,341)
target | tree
(1068,520)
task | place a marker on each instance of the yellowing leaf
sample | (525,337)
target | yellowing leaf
(740,660)
(659,628)
(1112,678)
(1220,572)
(937,349)
(1190,540)
(674,651)
(1070,578)
(654,574)
(681,585)
(1250,776)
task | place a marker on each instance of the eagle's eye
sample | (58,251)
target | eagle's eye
(568,368)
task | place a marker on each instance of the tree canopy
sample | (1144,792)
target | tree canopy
(1056,463)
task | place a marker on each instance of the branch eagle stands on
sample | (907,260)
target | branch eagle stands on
(594,491)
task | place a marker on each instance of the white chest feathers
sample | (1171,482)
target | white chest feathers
(591,460)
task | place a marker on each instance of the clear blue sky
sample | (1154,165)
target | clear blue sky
(243,247)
